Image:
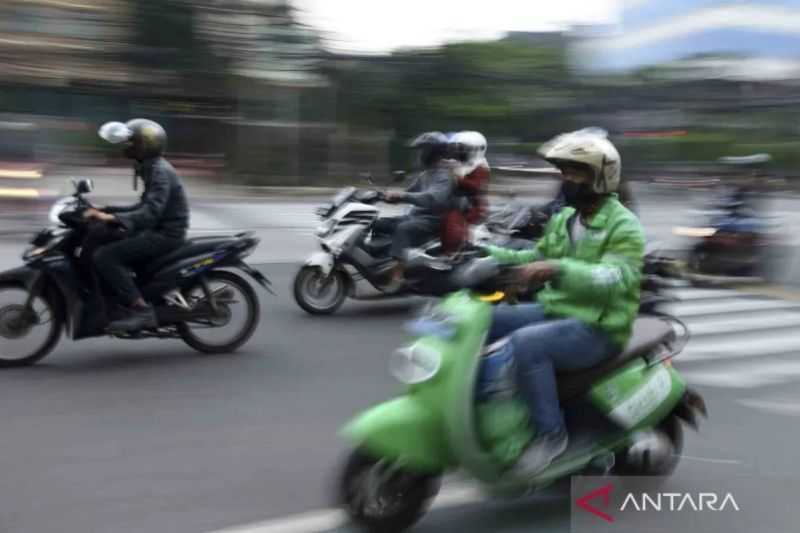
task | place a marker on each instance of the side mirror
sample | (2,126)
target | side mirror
(367,176)
(84,186)
(398,176)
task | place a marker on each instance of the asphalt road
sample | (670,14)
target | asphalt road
(121,436)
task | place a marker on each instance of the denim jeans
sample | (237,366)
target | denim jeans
(542,345)
(406,232)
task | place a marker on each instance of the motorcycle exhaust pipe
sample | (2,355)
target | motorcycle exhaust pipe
(650,451)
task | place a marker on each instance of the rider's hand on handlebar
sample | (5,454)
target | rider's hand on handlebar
(539,272)
(98,215)
(393,197)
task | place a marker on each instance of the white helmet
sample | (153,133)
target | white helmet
(589,147)
(469,148)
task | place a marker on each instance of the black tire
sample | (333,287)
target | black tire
(412,494)
(251,323)
(671,428)
(53,336)
(309,274)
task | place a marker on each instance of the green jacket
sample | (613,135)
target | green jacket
(600,275)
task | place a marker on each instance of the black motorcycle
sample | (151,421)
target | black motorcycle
(194,299)
(735,239)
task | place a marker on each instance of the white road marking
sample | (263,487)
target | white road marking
(711,460)
(785,407)
(779,343)
(313,521)
(327,519)
(746,376)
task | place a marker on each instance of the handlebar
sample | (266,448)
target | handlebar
(370,196)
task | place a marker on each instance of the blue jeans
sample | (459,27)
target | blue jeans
(406,232)
(542,345)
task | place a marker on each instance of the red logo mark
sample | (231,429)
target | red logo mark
(602,492)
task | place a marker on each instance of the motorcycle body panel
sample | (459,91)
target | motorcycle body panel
(322,260)
(638,395)
(404,429)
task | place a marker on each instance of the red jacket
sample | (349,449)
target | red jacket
(455,224)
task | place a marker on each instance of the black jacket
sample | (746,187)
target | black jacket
(163,207)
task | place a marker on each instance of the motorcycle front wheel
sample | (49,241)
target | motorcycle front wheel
(26,337)
(383,497)
(237,316)
(318,294)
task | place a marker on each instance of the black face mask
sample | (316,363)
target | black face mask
(578,195)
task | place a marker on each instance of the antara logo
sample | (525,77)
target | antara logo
(679,501)
(663,501)
(602,492)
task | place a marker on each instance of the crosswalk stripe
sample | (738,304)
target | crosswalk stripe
(746,376)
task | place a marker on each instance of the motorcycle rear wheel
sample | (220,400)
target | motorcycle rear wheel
(234,284)
(670,428)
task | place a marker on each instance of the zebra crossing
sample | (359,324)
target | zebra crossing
(747,344)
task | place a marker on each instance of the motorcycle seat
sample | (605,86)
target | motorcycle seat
(378,247)
(648,334)
(191,247)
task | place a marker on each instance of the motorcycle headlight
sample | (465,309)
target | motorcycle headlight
(324,228)
(683,231)
(415,364)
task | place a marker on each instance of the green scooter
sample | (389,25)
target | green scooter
(623,417)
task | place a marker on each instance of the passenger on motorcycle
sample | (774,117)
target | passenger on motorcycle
(153,227)
(471,172)
(589,260)
(431,194)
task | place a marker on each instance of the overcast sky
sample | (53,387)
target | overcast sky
(384,25)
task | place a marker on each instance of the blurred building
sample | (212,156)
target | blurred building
(63,42)
(239,84)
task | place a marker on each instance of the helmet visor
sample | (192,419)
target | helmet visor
(115,132)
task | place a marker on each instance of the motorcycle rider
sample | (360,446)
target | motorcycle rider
(154,226)
(555,205)
(472,173)
(589,260)
(431,194)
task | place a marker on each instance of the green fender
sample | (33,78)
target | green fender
(405,430)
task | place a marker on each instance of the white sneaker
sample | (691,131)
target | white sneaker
(541,453)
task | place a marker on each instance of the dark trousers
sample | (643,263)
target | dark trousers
(98,234)
(115,261)
(406,232)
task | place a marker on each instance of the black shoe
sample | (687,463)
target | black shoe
(117,312)
(137,319)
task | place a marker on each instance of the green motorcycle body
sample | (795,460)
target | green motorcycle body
(436,425)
